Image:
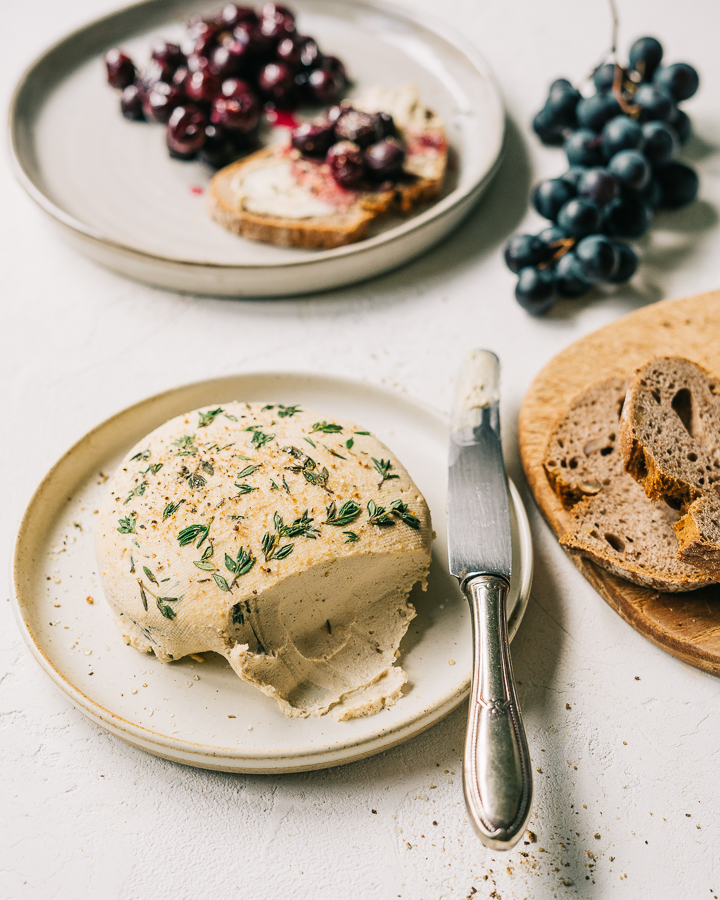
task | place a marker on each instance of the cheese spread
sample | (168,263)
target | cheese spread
(284,541)
(274,190)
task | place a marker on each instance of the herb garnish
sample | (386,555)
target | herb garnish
(348,513)
(330,450)
(400,509)
(240,565)
(377,514)
(171,508)
(188,535)
(326,428)
(143,454)
(186,445)
(207,467)
(153,469)
(167,611)
(207,418)
(220,582)
(361,432)
(132,565)
(194,479)
(143,595)
(248,470)
(258,437)
(239,611)
(244,489)
(150,575)
(351,537)
(349,443)
(307,467)
(127,525)
(383,466)
(310,441)
(270,547)
(136,492)
(287,411)
(204,562)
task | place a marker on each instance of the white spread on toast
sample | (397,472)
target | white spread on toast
(286,543)
(273,190)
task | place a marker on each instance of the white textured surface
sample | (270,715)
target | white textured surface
(626,804)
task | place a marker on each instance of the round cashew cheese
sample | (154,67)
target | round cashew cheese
(283,541)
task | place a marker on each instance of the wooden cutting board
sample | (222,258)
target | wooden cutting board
(687,625)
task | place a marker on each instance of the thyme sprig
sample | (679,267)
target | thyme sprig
(326,428)
(383,466)
(171,509)
(377,515)
(308,468)
(127,525)
(188,535)
(153,469)
(244,489)
(400,509)
(143,455)
(286,412)
(351,537)
(239,565)
(136,492)
(259,437)
(186,445)
(347,513)
(207,418)
(166,610)
(205,562)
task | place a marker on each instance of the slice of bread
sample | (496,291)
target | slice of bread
(278,196)
(670,442)
(609,520)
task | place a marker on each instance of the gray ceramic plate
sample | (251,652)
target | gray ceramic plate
(111,187)
(200,713)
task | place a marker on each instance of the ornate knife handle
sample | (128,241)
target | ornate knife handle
(497,776)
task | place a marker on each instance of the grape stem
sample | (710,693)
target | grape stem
(562,245)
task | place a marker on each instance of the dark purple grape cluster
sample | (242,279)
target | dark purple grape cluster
(210,88)
(620,144)
(358,147)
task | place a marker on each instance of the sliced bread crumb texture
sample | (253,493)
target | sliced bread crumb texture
(670,440)
(610,520)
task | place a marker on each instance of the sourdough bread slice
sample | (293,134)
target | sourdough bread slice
(670,441)
(279,196)
(610,520)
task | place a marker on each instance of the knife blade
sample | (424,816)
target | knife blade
(497,777)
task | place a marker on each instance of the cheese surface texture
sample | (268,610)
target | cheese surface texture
(280,539)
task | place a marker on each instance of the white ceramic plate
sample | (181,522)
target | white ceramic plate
(121,200)
(202,714)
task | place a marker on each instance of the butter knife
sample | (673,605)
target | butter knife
(496,773)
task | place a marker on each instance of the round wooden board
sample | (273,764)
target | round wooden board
(687,625)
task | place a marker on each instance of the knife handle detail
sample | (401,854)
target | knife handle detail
(497,775)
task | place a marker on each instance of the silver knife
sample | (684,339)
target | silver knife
(496,773)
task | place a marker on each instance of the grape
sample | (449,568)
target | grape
(631,169)
(573,175)
(548,134)
(550,195)
(621,133)
(654,103)
(598,257)
(593,112)
(603,77)
(560,105)
(650,195)
(627,263)
(552,239)
(660,142)
(678,184)
(560,83)
(680,121)
(523,250)
(536,290)
(579,217)
(569,276)
(626,218)
(645,56)
(583,148)
(598,185)
(680,80)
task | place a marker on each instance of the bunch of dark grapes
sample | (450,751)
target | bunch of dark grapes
(620,145)
(210,88)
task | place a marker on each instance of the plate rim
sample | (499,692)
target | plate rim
(437,211)
(245,760)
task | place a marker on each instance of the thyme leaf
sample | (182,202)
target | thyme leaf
(351,537)
(143,454)
(326,428)
(220,582)
(400,509)
(244,489)
(310,441)
(258,437)
(207,418)
(330,450)
(150,575)
(205,565)
(377,514)
(207,467)
(287,411)
(188,534)
(383,466)
(186,445)
(166,610)
(349,443)
(143,595)
(248,470)
(153,469)
(171,509)
(348,513)
(127,525)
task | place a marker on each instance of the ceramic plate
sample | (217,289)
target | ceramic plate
(201,713)
(121,200)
